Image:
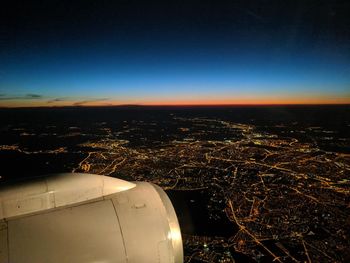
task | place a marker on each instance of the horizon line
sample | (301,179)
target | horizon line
(176,105)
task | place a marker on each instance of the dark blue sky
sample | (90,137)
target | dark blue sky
(183,52)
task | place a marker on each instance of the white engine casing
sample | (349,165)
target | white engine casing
(87,218)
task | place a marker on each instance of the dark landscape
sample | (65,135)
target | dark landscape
(250,184)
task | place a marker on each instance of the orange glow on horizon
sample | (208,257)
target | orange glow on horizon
(166,101)
(247,102)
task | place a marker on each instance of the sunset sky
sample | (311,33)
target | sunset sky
(64,53)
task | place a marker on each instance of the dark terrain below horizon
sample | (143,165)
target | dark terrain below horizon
(257,183)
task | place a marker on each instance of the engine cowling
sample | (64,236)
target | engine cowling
(87,218)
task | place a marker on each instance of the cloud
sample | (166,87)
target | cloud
(4,97)
(33,96)
(76,103)
(58,100)
(29,96)
(80,103)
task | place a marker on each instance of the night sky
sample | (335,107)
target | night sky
(183,52)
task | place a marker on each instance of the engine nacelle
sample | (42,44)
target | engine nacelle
(87,218)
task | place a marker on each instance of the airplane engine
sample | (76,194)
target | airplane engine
(87,218)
